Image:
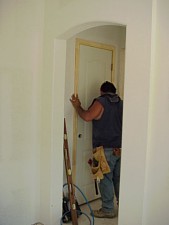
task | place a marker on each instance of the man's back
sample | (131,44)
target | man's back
(107,131)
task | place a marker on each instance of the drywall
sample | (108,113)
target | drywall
(32,106)
(157,178)
(21,30)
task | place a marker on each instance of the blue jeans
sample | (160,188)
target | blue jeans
(109,185)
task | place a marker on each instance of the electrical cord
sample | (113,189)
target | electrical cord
(91,212)
(61,222)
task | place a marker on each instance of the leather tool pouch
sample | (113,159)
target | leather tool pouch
(99,165)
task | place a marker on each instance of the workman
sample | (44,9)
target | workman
(106,115)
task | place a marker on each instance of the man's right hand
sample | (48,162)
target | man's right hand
(75,101)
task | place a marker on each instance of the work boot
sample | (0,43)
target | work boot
(102,214)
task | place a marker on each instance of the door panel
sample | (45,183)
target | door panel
(94,69)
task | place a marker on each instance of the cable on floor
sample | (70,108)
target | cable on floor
(87,202)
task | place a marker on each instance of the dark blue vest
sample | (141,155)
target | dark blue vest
(107,131)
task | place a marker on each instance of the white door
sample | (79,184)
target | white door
(95,67)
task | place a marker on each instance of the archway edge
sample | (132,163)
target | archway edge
(84,26)
(77,16)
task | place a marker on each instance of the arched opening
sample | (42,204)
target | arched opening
(104,33)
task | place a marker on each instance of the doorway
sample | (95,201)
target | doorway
(138,74)
(109,69)
(94,65)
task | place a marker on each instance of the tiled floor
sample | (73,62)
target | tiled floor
(83,220)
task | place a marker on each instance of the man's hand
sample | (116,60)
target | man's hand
(94,112)
(75,101)
(117,151)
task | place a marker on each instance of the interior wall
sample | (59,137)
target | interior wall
(21,29)
(157,177)
(29,116)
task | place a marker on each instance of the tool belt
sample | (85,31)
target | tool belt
(99,164)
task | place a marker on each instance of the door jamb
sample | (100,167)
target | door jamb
(93,44)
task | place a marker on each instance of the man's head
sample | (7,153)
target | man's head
(108,87)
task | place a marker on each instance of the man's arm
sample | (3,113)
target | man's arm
(94,112)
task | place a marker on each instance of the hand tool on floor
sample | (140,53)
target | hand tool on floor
(71,190)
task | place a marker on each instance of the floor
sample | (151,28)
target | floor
(83,220)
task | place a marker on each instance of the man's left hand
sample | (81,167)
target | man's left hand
(117,151)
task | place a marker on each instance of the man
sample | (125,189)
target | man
(106,116)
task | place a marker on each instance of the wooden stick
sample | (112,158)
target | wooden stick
(69,179)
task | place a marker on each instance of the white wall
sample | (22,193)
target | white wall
(21,28)
(32,106)
(157,177)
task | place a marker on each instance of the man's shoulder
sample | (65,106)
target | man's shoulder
(100,98)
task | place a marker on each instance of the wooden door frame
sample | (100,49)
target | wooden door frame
(93,44)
